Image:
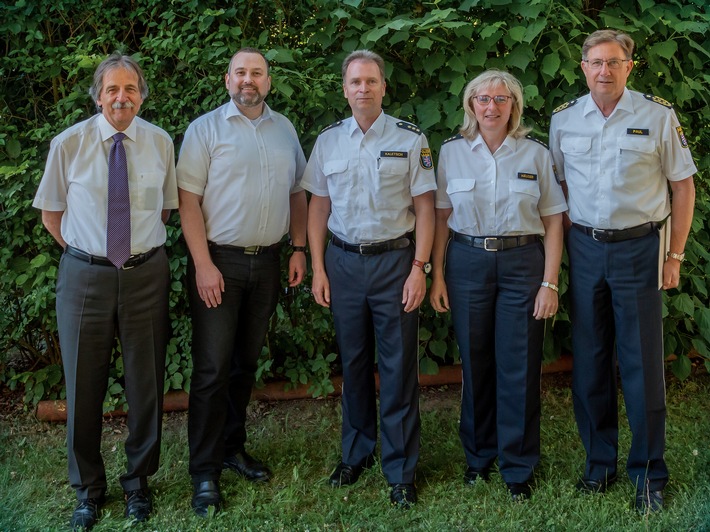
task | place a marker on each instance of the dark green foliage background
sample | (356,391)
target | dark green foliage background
(50,50)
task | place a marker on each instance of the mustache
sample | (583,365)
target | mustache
(125,105)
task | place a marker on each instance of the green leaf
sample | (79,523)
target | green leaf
(684,304)
(425,43)
(517,33)
(551,64)
(438,347)
(702,318)
(428,367)
(665,49)
(681,367)
(13,148)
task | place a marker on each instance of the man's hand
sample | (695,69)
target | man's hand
(414,289)
(296,268)
(321,289)
(210,285)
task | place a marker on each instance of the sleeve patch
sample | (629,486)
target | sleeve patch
(659,100)
(564,106)
(425,160)
(681,136)
(409,127)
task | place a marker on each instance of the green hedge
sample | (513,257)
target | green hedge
(432,49)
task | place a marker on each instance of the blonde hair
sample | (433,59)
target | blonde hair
(493,77)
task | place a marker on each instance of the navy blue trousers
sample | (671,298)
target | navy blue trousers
(492,298)
(616,318)
(366,299)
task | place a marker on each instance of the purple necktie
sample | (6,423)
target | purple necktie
(118,221)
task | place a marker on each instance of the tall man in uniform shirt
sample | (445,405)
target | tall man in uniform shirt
(238,177)
(105,195)
(372,179)
(618,151)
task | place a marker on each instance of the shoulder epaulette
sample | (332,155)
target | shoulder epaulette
(331,126)
(409,127)
(565,105)
(659,100)
(455,137)
(537,140)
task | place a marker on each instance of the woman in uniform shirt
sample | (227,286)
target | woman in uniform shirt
(497,197)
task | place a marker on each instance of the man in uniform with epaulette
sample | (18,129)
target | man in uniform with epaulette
(372,181)
(617,151)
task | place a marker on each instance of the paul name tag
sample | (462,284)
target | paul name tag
(399,154)
(529,177)
(636,131)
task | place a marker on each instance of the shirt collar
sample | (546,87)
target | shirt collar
(625,103)
(107,130)
(233,110)
(378,126)
(509,141)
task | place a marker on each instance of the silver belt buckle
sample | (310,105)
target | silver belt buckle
(485,243)
(595,232)
(251,250)
(362,248)
(124,267)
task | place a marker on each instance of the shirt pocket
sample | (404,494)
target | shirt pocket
(336,173)
(577,157)
(636,159)
(523,198)
(462,194)
(147,193)
(393,166)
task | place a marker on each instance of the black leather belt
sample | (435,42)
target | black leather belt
(374,248)
(618,235)
(249,250)
(132,262)
(495,243)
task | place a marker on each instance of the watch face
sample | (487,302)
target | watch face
(427,267)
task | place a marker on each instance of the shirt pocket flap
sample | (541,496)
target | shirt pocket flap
(637,144)
(524,186)
(575,144)
(460,185)
(336,166)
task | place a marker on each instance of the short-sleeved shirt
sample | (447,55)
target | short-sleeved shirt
(245,171)
(370,177)
(75,181)
(617,169)
(497,194)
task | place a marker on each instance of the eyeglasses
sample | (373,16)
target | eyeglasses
(613,64)
(484,99)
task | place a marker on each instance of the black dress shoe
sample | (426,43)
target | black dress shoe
(403,495)
(649,502)
(86,513)
(595,485)
(248,467)
(206,494)
(519,491)
(138,504)
(472,475)
(345,474)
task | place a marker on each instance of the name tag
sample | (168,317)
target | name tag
(399,154)
(636,131)
(529,177)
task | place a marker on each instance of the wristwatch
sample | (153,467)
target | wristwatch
(425,266)
(680,257)
(302,249)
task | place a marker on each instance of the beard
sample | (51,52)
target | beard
(247,101)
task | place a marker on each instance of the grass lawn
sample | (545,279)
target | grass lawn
(300,440)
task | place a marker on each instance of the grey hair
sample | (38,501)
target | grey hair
(604,36)
(363,55)
(117,60)
(494,77)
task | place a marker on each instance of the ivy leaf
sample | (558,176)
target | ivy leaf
(681,367)
(665,49)
(683,303)
(551,64)
(428,367)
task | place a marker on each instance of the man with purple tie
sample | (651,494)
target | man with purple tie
(105,195)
